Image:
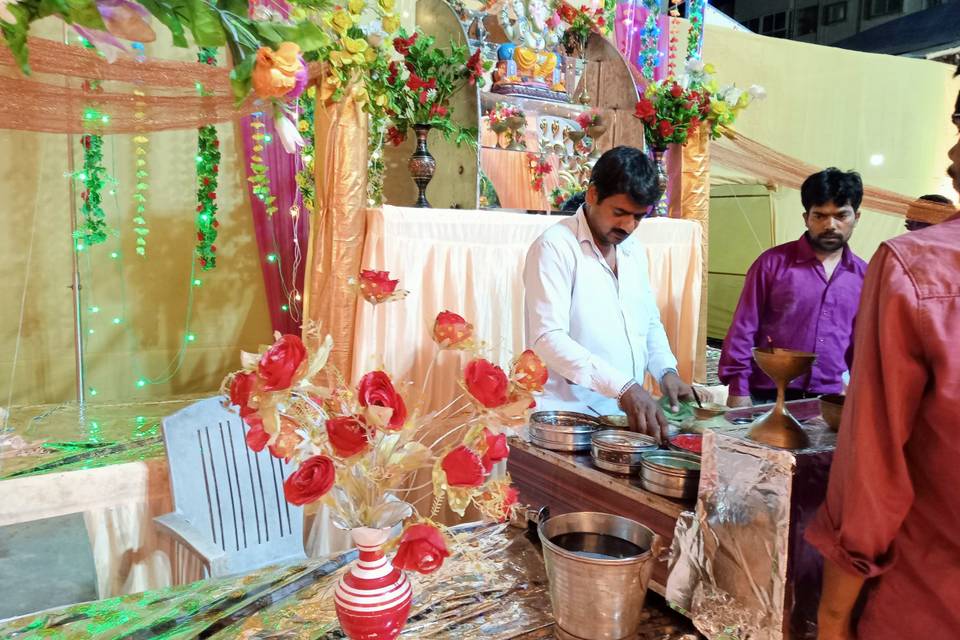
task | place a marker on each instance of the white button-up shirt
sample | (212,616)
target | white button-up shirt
(593,329)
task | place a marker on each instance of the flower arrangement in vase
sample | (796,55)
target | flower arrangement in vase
(421,85)
(580,24)
(509,119)
(538,167)
(592,122)
(358,449)
(673,108)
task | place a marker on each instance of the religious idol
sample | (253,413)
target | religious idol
(526,65)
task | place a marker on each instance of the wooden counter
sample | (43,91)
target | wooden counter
(567,482)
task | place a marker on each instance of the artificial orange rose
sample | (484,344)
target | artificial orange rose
(281,363)
(451,330)
(529,372)
(275,72)
(422,549)
(376,390)
(287,440)
(463,468)
(487,383)
(348,436)
(310,482)
(497,449)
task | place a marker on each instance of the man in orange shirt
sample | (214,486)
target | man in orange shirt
(891,519)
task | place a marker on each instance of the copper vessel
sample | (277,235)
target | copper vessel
(778,428)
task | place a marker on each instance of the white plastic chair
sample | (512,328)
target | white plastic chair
(228,500)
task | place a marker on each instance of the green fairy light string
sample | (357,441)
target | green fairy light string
(695,10)
(93,229)
(304,176)
(258,170)
(208,167)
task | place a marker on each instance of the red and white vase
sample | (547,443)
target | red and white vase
(373,598)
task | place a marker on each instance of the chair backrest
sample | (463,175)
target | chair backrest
(227,491)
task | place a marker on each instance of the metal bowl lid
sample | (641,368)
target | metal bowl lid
(625,441)
(672,462)
(563,421)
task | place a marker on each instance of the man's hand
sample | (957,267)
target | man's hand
(736,402)
(644,413)
(675,390)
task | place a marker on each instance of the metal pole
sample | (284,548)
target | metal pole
(75,285)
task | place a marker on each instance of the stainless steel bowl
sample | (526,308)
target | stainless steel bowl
(673,474)
(620,451)
(562,430)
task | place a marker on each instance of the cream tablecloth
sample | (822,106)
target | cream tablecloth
(471,263)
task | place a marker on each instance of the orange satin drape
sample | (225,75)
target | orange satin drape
(689,191)
(338,226)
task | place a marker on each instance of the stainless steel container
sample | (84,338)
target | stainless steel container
(673,474)
(562,430)
(620,451)
(598,598)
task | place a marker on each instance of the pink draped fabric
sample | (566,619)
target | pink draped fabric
(282,236)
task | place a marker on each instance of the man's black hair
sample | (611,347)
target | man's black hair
(573,202)
(629,171)
(832,185)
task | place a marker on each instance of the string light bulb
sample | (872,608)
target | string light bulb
(191,337)
(141,383)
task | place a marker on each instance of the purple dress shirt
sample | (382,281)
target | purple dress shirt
(788,302)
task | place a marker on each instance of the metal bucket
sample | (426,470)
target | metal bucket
(598,598)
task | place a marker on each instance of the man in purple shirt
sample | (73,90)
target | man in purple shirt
(801,295)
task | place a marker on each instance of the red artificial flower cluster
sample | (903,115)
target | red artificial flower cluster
(376,390)
(395,136)
(467,468)
(451,331)
(475,67)
(376,286)
(538,169)
(671,113)
(422,549)
(279,367)
(403,45)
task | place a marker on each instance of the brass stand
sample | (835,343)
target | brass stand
(778,428)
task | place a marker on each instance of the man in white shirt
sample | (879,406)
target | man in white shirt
(590,313)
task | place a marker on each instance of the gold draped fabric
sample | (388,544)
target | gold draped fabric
(338,227)
(690,199)
(748,156)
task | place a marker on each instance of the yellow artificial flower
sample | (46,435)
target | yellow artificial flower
(303,125)
(311,92)
(743,100)
(719,108)
(709,69)
(360,93)
(391,23)
(354,45)
(381,100)
(340,58)
(370,56)
(387,5)
(341,21)
(356,6)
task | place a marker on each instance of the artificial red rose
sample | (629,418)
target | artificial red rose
(510,496)
(279,365)
(348,435)
(287,440)
(601,22)
(241,388)
(402,45)
(487,383)
(310,482)
(645,110)
(497,449)
(376,286)
(438,110)
(665,128)
(417,83)
(376,390)
(475,67)
(529,372)
(256,437)
(463,467)
(694,124)
(676,91)
(394,72)
(395,137)
(422,549)
(451,329)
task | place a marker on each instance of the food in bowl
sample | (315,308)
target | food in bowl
(709,410)
(689,442)
(615,421)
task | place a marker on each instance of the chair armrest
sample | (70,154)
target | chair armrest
(189,536)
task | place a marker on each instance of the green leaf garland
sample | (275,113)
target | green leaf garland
(305,181)
(259,178)
(93,229)
(208,168)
